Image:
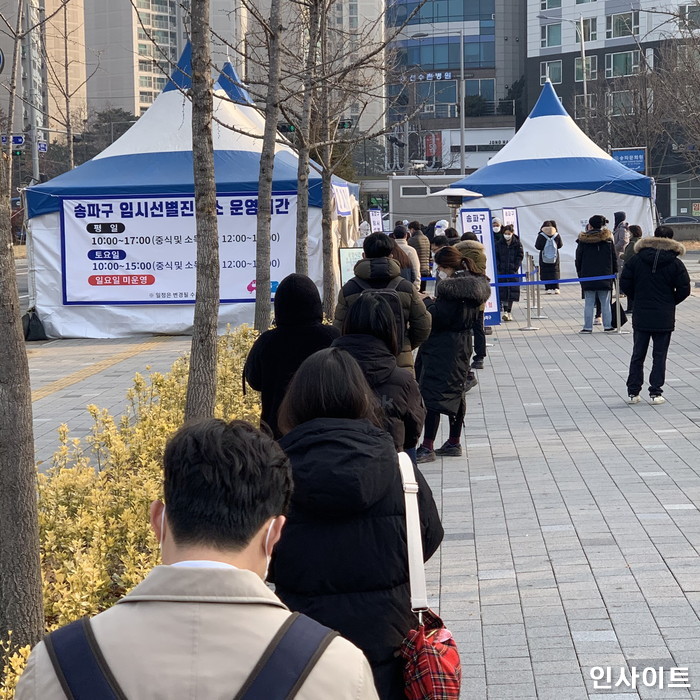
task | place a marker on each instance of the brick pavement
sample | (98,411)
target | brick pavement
(572,522)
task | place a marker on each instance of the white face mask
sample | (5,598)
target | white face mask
(507,236)
(496,229)
(268,551)
(442,275)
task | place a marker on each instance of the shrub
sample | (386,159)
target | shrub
(96,543)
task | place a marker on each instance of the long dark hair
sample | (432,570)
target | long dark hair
(401,258)
(451,257)
(372,315)
(329,384)
(550,222)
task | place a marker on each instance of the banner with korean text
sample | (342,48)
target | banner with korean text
(142,250)
(478,221)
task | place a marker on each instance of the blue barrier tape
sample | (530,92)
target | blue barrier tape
(503,277)
(565,281)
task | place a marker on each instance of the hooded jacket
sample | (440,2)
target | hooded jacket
(395,387)
(509,256)
(421,244)
(277,353)
(343,558)
(595,257)
(377,272)
(621,234)
(443,360)
(657,281)
(475,252)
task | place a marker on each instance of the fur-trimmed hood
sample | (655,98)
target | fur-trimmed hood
(473,290)
(548,231)
(660,244)
(464,246)
(595,236)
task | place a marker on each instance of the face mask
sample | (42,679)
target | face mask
(442,275)
(268,554)
(496,229)
(507,236)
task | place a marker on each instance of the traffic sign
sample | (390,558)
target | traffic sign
(43,146)
(18,139)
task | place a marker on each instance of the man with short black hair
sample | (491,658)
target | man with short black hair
(400,239)
(378,270)
(198,626)
(421,244)
(656,281)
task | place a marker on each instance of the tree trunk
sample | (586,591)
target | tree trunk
(21,600)
(69,120)
(201,387)
(302,258)
(326,154)
(263,290)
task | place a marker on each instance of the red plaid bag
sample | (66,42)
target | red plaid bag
(433,670)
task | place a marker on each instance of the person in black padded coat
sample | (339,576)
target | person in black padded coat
(342,558)
(369,335)
(299,332)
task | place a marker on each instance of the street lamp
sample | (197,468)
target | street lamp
(578,23)
(461,91)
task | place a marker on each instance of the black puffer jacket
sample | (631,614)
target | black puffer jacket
(508,259)
(596,257)
(396,388)
(443,361)
(342,558)
(277,353)
(657,281)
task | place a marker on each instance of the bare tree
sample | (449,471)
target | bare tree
(201,387)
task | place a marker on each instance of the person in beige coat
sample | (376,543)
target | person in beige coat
(197,626)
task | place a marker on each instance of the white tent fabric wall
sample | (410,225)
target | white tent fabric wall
(571,209)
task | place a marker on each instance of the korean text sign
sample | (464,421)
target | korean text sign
(142,250)
(478,221)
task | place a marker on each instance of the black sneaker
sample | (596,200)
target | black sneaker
(610,330)
(471,382)
(423,454)
(448,450)
(478,363)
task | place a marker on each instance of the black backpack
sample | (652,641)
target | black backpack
(391,296)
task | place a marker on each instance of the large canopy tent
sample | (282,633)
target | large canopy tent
(129,210)
(551,170)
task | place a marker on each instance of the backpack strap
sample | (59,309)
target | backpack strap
(395,282)
(288,660)
(79,664)
(362,284)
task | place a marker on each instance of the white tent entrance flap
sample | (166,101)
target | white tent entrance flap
(119,250)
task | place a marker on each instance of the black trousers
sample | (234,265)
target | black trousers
(479,337)
(432,422)
(635,380)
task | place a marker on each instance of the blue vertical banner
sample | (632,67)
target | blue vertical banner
(478,221)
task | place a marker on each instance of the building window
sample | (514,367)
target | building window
(146,81)
(414,191)
(583,2)
(618,65)
(622,24)
(580,112)
(620,104)
(550,4)
(145,96)
(551,70)
(145,50)
(591,69)
(590,29)
(485,88)
(689,17)
(550,35)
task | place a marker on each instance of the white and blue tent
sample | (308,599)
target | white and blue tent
(551,170)
(150,162)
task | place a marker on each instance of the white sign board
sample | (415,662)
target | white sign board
(375,220)
(510,216)
(478,221)
(142,250)
(349,257)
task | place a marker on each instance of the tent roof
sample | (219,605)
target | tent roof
(154,157)
(550,152)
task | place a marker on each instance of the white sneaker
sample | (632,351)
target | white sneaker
(556,291)
(634,399)
(598,321)
(657,400)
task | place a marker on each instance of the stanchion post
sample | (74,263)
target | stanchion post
(618,308)
(538,287)
(528,278)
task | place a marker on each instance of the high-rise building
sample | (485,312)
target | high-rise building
(455,75)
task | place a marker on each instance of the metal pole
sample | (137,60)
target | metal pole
(539,313)
(528,277)
(33,136)
(585,85)
(462,101)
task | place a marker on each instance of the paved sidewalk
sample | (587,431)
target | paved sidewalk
(572,522)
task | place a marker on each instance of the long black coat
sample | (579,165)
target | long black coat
(548,271)
(342,558)
(442,364)
(596,257)
(277,353)
(508,260)
(657,281)
(395,387)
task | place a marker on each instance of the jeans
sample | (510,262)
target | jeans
(432,423)
(590,295)
(657,377)
(479,337)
